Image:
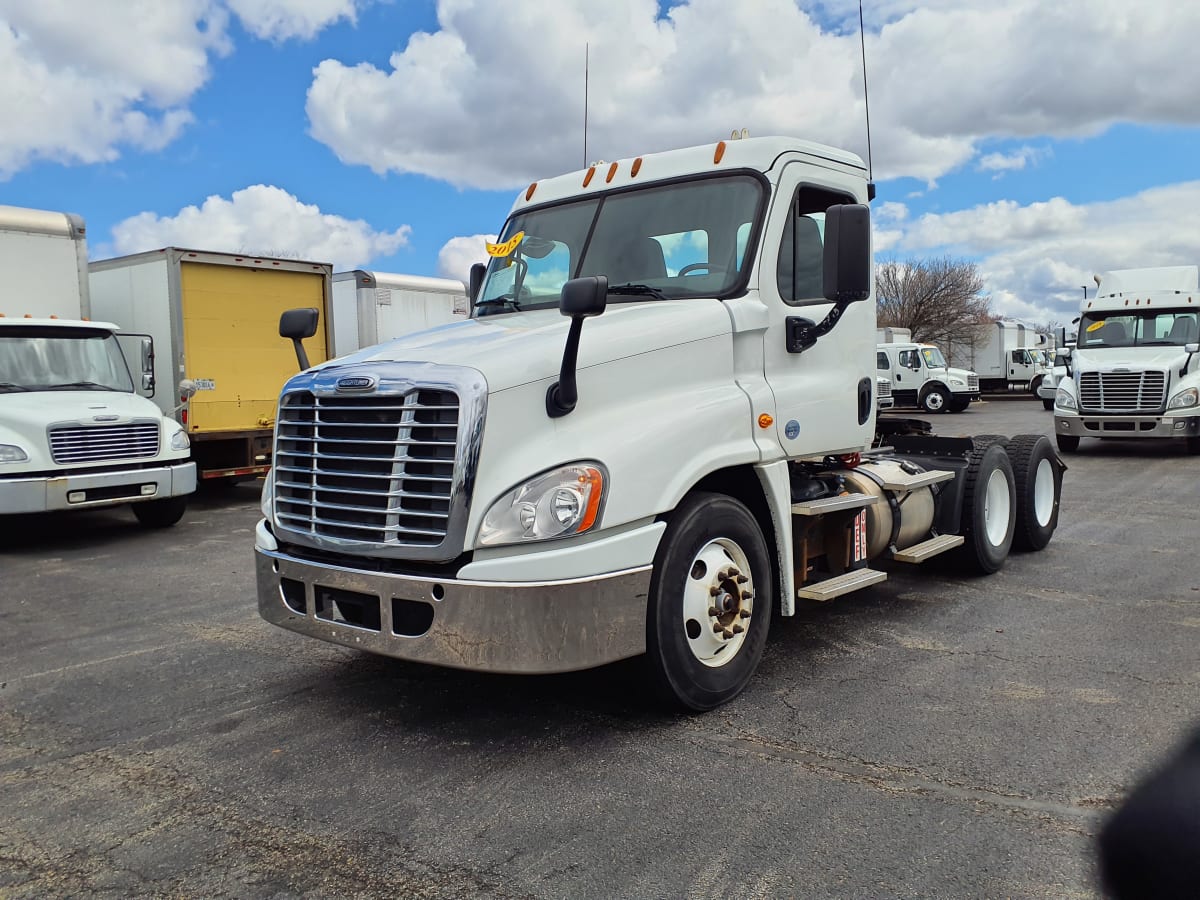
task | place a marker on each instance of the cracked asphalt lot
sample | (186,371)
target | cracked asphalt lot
(933,736)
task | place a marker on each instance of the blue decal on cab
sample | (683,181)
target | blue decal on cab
(792,429)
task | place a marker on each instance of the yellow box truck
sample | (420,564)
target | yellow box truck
(219,363)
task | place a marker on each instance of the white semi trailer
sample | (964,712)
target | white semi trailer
(371,307)
(652,436)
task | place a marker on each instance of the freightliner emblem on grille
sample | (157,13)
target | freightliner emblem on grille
(356,383)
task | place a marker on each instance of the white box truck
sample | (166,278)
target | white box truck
(372,307)
(653,435)
(75,428)
(1134,372)
(1006,355)
(920,376)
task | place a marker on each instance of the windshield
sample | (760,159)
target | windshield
(1161,328)
(686,239)
(34,358)
(933,358)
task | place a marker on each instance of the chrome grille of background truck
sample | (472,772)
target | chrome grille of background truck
(1144,392)
(373,469)
(94,443)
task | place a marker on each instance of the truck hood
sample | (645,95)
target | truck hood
(519,348)
(960,374)
(31,412)
(1106,359)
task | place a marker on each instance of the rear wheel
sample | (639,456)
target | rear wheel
(989,510)
(936,399)
(1037,476)
(710,603)
(1067,443)
(160,513)
(1193,446)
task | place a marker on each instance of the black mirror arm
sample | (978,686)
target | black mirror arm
(803,333)
(301,355)
(562,396)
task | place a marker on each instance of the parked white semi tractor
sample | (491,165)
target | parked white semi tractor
(1134,372)
(651,437)
(920,376)
(1007,356)
(371,307)
(76,427)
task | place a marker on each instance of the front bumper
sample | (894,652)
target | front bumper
(1130,427)
(46,494)
(525,627)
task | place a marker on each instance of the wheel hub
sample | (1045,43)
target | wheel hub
(718,602)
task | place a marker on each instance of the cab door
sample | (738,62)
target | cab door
(824,396)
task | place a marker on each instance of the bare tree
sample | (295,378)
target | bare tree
(940,300)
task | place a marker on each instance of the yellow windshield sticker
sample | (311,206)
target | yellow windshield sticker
(1095,326)
(507,247)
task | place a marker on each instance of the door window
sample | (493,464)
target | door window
(800,273)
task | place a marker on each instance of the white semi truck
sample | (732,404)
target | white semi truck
(920,375)
(1006,356)
(76,427)
(652,436)
(1134,372)
(372,307)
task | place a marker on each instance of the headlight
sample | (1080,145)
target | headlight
(557,503)
(12,453)
(268,496)
(1064,400)
(957,382)
(1184,399)
(180,441)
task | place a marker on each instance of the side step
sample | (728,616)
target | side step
(920,480)
(918,553)
(832,504)
(840,584)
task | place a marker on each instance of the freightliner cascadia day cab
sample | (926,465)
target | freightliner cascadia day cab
(219,361)
(1134,372)
(76,427)
(372,307)
(654,434)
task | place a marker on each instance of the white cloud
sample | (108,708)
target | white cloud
(264,220)
(279,20)
(1035,258)
(471,105)
(1000,163)
(459,253)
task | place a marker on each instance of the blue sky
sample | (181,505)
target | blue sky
(1045,143)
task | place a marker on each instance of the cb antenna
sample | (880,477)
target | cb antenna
(586,51)
(862,37)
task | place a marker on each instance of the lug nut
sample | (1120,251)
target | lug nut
(745,614)
(713,591)
(742,579)
(713,611)
(737,629)
(727,634)
(718,627)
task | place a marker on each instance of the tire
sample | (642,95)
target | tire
(160,513)
(989,510)
(986,440)
(1067,443)
(1037,476)
(1193,446)
(958,405)
(1047,403)
(692,663)
(935,400)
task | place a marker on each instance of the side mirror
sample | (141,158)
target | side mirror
(1191,348)
(148,364)
(299,324)
(478,270)
(847,263)
(581,298)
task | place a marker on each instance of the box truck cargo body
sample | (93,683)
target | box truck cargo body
(372,307)
(219,361)
(76,427)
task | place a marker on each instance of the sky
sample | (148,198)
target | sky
(1045,142)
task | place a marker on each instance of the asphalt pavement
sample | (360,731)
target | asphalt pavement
(933,736)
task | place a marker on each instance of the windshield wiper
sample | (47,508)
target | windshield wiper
(638,290)
(503,298)
(79,385)
(10,386)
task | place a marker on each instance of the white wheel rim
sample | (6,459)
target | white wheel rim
(1043,493)
(718,598)
(997,508)
(933,400)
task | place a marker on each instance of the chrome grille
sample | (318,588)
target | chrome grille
(972,382)
(376,469)
(1122,391)
(885,388)
(95,443)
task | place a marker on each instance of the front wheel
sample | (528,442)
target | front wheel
(935,400)
(959,404)
(1067,443)
(710,603)
(160,513)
